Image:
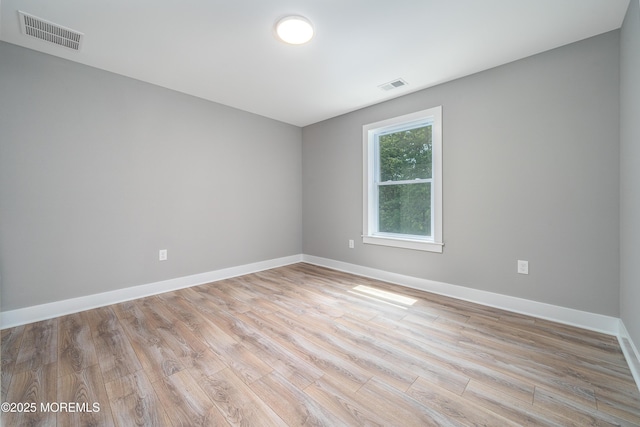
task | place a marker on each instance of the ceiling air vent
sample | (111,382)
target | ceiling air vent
(50,32)
(393,85)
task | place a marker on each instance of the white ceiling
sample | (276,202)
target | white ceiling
(225,50)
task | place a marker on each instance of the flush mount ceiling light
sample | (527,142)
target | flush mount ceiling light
(294,30)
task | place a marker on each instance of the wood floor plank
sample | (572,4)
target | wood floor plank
(237,402)
(436,374)
(565,411)
(321,334)
(294,366)
(134,402)
(289,364)
(315,300)
(624,408)
(39,346)
(182,309)
(329,362)
(75,346)
(564,377)
(417,362)
(9,348)
(588,339)
(579,362)
(186,403)
(204,361)
(526,334)
(292,405)
(453,406)
(337,293)
(306,345)
(32,387)
(116,355)
(340,402)
(225,299)
(155,356)
(102,319)
(184,343)
(399,408)
(84,389)
(504,405)
(448,361)
(236,356)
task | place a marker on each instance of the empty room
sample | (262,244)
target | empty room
(318,213)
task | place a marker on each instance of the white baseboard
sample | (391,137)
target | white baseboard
(630,352)
(591,321)
(36,313)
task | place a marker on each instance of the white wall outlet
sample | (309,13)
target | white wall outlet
(351,244)
(162,255)
(523,267)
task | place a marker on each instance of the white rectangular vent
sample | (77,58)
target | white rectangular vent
(393,85)
(50,32)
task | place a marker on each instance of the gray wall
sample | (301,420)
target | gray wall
(98,172)
(531,158)
(630,172)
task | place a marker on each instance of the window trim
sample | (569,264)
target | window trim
(370,234)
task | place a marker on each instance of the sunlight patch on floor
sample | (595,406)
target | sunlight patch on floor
(385,296)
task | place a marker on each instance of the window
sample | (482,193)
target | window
(403,181)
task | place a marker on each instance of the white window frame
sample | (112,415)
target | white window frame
(370,133)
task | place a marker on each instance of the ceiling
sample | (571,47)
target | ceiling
(225,50)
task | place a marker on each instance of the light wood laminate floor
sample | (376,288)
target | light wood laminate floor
(305,345)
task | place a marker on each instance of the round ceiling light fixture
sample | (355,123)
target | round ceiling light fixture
(294,30)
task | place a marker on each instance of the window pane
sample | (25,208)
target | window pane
(405,154)
(405,209)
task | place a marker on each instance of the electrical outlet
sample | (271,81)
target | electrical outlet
(351,244)
(523,267)
(162,255)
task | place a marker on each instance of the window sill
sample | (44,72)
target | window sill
(417,245)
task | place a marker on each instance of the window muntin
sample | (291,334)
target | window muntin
(403,185)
